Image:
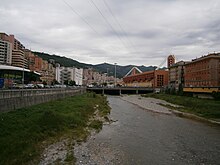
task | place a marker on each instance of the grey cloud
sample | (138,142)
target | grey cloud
(152,29)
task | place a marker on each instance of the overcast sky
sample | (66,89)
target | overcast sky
(139,32)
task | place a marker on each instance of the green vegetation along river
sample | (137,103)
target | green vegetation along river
(25,133)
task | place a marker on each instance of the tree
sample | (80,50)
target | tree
(54,82)
(45,83)
(104,84)
(180,90)
(66,82)
(72,83)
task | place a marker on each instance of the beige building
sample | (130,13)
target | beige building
(170,60)
(18,56)
(47,73)
(5,52)
(18,59)
(176,75)
(203,71)
(92,77)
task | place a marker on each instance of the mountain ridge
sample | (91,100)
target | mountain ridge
(121,71)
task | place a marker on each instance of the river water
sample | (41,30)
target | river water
(139,136)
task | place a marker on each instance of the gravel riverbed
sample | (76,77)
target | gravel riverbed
(142,131)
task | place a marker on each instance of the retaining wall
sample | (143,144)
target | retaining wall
(14,99)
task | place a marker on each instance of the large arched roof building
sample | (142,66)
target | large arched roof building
(11,74)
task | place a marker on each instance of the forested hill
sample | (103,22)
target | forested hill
(102,68)
(63,61)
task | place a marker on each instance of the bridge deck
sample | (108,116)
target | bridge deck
(121,90)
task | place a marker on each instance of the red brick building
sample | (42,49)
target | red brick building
(170,60)
(157,79)
(203,72)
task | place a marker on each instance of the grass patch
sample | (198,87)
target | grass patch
(70,158)
(24,130)
(96,124)
(202,107)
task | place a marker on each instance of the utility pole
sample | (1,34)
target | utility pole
(23,74)
(115,75)
(107,76)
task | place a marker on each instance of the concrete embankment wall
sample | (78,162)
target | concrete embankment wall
(12,100)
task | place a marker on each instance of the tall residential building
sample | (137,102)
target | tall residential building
(5,52)
(31,59)
(16,45)
(18,57)
(170,60)
(203,71)
(176,75)
(35,63)
(69,73)
(47,73)
(78,76)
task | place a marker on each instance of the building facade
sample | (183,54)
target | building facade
(203,72)
(91,77)
(154,79)
(170,60)
(18,59)
(176,75)
(47,73)
(64,74)
(35,63)
(18,56)
(5,52)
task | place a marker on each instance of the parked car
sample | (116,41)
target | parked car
(40,85)
(30,86)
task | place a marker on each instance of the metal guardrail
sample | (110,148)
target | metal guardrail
(5,94)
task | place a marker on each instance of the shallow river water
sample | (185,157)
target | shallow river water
(139,136)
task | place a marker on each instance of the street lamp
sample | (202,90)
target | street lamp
(23,73)
(115,74)
(107,75)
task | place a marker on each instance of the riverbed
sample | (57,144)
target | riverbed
(145,132)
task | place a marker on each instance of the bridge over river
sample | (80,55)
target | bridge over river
(121,90)
(19,98)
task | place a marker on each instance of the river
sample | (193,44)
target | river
(140,136)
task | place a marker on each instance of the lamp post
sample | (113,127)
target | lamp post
(107,76)
(23,74)
(115,74)
(107,71)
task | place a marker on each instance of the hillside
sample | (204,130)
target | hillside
(102,68)
(63,61)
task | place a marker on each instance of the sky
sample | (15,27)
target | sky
(137,32)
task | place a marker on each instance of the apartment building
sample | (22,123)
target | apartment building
(47,72)
(5,52)
(170,60)
(35,63)
(176,75)
(203,71)
(69,73)
(18,57)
